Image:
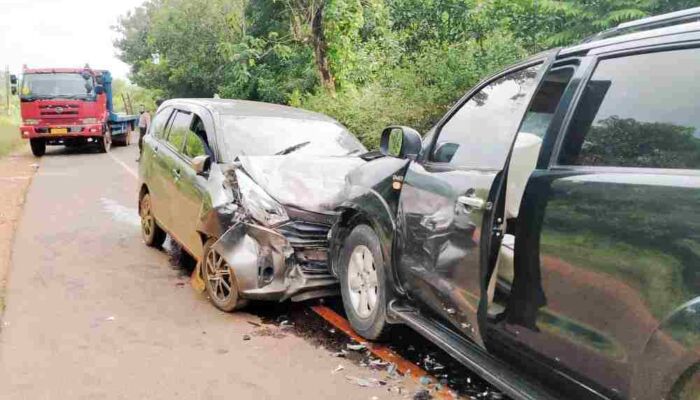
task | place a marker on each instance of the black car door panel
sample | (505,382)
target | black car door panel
(446,196)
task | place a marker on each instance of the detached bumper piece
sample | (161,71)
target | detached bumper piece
(288,262)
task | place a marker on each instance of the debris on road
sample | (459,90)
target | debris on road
(340,354)
(422,394)
(356,347)
(246,337)
(365,382)
(338,369)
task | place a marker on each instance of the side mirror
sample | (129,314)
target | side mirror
(400,142)
(201,165)
(99,89)
(13,84)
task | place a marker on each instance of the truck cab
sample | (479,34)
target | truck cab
(71,107)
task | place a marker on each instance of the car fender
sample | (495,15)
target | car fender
(371,195)
(672,349)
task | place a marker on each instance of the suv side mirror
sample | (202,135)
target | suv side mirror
(99,89)
(13,84)
(201,165)
(400,142)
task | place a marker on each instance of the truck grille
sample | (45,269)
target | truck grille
(59,110)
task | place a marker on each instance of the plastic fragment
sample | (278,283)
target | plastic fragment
(356,347)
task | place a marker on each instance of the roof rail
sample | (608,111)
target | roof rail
(663,18)
(668,19)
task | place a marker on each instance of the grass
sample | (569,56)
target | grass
(9,137)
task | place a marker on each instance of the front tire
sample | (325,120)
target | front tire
(152,234)
(38,147)
(363,283)
(220,280)
(105,142)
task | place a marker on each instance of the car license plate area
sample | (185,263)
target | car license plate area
(59,131)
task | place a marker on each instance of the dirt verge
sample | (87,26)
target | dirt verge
(16,172)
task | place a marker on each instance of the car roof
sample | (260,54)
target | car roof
(245,108)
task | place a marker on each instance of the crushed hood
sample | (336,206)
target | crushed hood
(308,183)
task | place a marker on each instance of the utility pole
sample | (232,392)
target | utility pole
(7,89)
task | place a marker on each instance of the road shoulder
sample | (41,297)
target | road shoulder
(16,172)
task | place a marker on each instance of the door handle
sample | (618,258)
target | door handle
(474,202)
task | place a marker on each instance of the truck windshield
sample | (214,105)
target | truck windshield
(57,85)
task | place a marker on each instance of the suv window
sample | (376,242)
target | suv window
(159,121)
(638,111)
(195,143)
(481,132)
(179,128)
(546,101)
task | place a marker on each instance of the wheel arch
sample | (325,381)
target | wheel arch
(370,211)
(671,355)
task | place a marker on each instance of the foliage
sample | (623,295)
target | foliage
(129,97)
(9,137)
(367,63)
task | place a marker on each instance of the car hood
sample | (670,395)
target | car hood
(308,183)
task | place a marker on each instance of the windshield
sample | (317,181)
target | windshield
(57,85)
(265,136)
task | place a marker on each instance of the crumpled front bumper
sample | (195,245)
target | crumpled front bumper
(278,264)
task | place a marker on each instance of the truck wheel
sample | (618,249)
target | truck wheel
(220,280)
(105,142)
(363,283)
(38,147)
(152,234)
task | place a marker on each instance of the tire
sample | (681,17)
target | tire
(217,276)
(153,235)
(363,283)
(688,386)
(105,142)
(38,147)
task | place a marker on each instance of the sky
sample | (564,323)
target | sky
(61,33)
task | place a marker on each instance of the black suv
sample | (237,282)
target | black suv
(545,232)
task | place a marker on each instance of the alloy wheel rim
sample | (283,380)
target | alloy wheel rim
(218,277)
(147,221)
(363,283)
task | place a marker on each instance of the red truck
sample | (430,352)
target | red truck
(71,107)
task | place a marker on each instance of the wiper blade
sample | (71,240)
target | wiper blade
(291,148)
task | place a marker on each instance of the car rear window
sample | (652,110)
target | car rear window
(639,111)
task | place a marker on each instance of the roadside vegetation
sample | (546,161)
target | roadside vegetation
(9,136)
(368,63)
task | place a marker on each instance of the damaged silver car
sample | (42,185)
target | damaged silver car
(248,189)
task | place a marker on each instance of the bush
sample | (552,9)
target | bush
(417,92)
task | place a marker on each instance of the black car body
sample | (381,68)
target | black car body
(249,189)
(546,231)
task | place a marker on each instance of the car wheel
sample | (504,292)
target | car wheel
(38,147)
(363,283)
(105,142)
(152,234)
(688,386)
(220,280)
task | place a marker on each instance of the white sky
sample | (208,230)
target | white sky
(61,33)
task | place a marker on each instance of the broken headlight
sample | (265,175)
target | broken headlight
(259,204)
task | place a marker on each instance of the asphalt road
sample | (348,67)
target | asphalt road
(92,313)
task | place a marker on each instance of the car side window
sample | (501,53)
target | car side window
(159,123)
(179,128)
(638,111)
(196,142)
(481,132)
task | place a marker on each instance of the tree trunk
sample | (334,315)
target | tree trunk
(321,50)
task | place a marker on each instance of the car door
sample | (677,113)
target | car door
(446,196)
(607,247)
(153,167)
(170,154)
(192,197)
